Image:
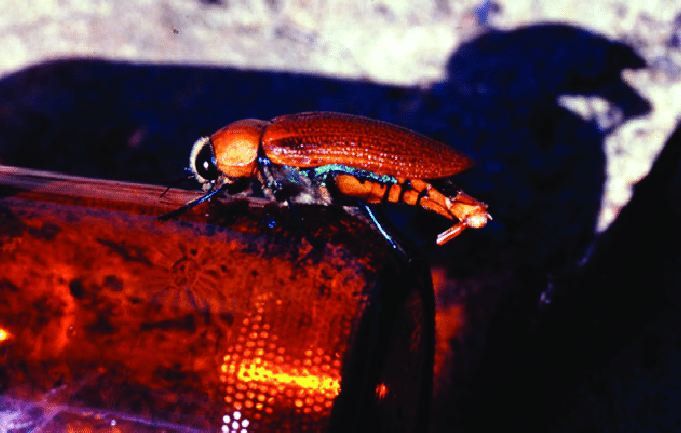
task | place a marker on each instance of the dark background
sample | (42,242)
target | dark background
(563,343)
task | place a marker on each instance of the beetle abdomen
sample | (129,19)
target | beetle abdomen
(321,138)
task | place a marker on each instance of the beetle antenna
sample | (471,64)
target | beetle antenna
(182,209)
(176,182)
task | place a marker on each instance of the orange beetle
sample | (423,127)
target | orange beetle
(367,159)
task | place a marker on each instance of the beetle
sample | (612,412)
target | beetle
(366,159)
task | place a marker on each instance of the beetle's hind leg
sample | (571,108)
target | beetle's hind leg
(387,235)
(470,212)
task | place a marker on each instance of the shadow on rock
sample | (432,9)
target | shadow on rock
(603,353)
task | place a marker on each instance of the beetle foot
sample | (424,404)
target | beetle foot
(450,233)
(470,213)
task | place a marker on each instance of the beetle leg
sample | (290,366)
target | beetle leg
(271,186)
(386,234)
(182,209)
(416,192)
(470,212)
(369,191)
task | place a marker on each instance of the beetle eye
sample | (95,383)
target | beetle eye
(205,163)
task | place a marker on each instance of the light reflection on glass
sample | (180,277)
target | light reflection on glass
(381,391)
(231,424)
(303,378)
(263,379)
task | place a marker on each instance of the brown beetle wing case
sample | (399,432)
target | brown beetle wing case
(321,138)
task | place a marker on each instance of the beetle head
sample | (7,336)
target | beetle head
(229,153)
(203,163)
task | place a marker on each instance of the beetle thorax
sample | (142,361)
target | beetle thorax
(236,147)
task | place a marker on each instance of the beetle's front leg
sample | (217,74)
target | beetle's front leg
(272,188)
